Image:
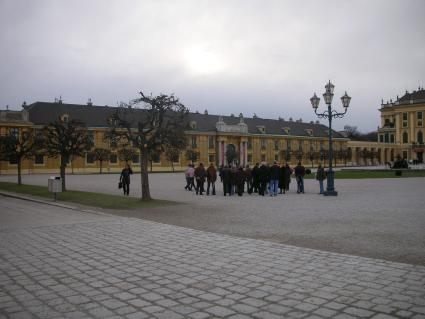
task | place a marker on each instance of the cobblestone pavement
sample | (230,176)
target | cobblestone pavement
(121,267)
(378,218)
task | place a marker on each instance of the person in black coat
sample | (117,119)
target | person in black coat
(225,176)
(240,180)
(274,179)
(263,178)
(125,179)
(256,177)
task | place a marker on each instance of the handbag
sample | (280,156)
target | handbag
(120,185)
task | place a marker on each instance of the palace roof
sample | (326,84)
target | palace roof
(42,113)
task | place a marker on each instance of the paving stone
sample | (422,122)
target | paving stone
(220,311)
(139,269)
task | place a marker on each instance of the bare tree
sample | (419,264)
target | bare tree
(65,139)
(149,129)
(126,153)
(101,155)
(16,147)
(192,155)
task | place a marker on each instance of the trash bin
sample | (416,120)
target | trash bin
(54,184)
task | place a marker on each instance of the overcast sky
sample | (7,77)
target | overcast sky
(263,57)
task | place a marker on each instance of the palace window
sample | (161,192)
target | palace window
(211,143)
(405,138)
(39,159)
(276,157)
(249,143)
(211,158)
(249,158)
(155,158)
(90,158)
(392,138)
(263,144)
(300,145)
(405,119)
(113,159)
(419,117)
(387,137)
(13,160)
(288,145)
(381,138)
(135,158)
(420,137)
(276,145)
(14,131)
(90,137)
(194,142)
(263,157)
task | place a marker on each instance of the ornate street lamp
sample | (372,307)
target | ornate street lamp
(329,114)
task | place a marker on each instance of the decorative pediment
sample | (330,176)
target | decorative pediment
(241,127)
(261,129)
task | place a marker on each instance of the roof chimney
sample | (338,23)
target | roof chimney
(89,102)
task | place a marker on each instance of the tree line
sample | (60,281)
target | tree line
(158,128)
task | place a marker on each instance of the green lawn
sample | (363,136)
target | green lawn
(85,198)
(373,174)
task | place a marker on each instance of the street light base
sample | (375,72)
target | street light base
(330,193)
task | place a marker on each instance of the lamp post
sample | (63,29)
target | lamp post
(329,114)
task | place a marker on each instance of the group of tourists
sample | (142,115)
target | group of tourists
(262,179)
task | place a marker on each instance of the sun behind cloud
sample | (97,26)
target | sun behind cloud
(202,60)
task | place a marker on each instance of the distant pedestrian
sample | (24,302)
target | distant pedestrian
(125,179)
(248,179)
(263,178)
(187,176)
(321,176)
(226,178)
(299,175)
(256,177)
(274,179)
(287,177)
(240,180)
(200,175)
(211,178)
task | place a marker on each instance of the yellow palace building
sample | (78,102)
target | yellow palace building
(253,139)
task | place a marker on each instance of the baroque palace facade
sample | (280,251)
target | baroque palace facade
(253,139)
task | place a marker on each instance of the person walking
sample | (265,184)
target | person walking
(320,176)
(187,176)
(248,179)
(191,174)
(211,178)
(200,175)
(299,175)
(240,180)
(125,179)
(274,179)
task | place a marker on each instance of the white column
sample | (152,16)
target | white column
(224,153)
(241,155)
(245,148)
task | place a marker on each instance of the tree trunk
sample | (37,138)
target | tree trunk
(151,166)
(146,195)
(172,165)
(19,171)
(100,162)
(62,173)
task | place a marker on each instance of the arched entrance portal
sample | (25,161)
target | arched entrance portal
(231,154)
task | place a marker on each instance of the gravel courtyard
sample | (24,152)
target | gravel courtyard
(379,218)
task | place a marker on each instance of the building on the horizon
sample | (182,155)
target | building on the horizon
(402,125)
(253,139)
